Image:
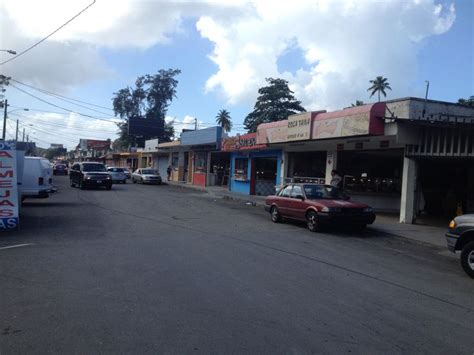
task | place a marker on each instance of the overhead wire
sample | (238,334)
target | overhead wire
(52,33)
(60,107)
(59,95)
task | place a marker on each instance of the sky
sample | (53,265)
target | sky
(327,50)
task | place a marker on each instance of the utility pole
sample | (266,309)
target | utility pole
(23,139)
(5,103)
(426,96)
(27,137)
(195,124)
(16,134)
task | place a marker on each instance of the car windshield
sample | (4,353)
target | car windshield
(314,192)
(93,167)
(148,172)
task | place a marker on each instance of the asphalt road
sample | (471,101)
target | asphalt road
(161,269)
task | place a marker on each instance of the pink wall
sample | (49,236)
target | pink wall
(199,179)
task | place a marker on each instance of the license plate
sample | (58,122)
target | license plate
(99,181)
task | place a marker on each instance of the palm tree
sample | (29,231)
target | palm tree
(223,119)
(358,103)
(378,86)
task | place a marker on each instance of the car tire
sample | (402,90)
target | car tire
(124,181)
(275,214)
(467,259)
(312,221)
(360,227)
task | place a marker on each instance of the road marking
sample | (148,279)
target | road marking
(16,246)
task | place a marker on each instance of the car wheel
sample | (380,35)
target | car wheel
(312,221)
(467,259)
(360,227)
(124,181)
(275,214)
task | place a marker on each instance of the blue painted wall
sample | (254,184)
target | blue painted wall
(243,187)
(210,135)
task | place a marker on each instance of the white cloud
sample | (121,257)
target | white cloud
(345,44)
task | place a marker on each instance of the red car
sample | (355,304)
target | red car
(319,206)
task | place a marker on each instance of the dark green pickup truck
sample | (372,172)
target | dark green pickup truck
(460,236)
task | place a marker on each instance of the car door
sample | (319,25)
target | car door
(74,173)
(297,206)
(283,200)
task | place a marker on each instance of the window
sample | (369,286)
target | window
(286,191)
(241,169)
(314,192)
(297,192)
(93,167)
(200,162)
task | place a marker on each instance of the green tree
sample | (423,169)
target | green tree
(149,99)
(223,119)
(275,102)
(467,102)
(358,103)
(379,85)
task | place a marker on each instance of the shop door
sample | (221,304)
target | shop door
(446,187)
(265,176)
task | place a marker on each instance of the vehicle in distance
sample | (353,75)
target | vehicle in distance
(118,175)
(319,206)
(37,178)
(60,169)
(460,237)
(127,173)
(89,174)
(146,176)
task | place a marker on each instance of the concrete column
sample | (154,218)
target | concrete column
(331,164)
(283,168)
(407,204)
(208,168)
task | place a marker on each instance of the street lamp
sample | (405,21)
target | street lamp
(8,51)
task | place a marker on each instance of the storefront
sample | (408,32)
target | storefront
(254,170)
(193,159)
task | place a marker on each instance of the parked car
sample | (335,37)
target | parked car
(127,173)
(90,174)
(60,169)
(37,178)
(460,237)
(319,206)
(118,175)
(146,176)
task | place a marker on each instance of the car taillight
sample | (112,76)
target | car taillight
(40,181)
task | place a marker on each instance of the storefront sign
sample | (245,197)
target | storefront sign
(274,132)
(353,125)
(299,127)
(241,142)
(8,187)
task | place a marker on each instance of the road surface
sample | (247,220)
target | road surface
(161,269)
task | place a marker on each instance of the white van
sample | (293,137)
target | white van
(37,178)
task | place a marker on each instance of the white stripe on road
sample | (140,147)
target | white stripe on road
(16,246)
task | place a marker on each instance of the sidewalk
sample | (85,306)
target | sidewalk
(386,224)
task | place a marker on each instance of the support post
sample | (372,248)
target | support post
(4,132)
(407,201)
(331,164)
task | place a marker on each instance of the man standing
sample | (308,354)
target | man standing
(168,171)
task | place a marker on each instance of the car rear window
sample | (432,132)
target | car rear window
(93,167)
(116,170)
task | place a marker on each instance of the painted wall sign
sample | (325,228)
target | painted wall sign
(241,142)
(274,132)
(299,127)
(8,187)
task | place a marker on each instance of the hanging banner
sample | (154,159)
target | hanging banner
(9,200)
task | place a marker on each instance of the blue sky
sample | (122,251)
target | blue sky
(444,57)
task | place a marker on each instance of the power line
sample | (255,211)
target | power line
(65,98)
(60,107)
(52,33)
